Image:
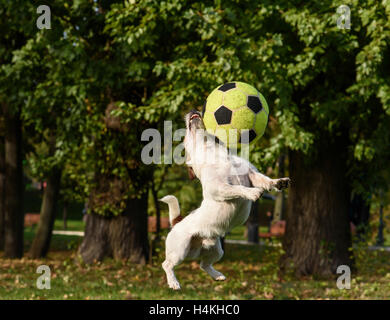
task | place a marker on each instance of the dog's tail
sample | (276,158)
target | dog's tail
(174,209)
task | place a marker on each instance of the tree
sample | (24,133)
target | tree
(64,99)
(14,188)
(41,243)
(253,223)
(42,90)
(2,188)
(341,98)
(115,181)
(16,28)
(279,201)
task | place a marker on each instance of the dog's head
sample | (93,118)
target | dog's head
(194,120)
(200,145)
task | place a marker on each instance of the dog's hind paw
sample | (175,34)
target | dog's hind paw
(220,278)
(174,285)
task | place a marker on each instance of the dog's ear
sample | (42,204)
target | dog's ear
(191,173)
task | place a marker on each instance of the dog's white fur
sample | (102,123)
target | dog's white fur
(227,198)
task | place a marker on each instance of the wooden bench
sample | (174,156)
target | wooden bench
(278,228)
(31,219)
(152,223)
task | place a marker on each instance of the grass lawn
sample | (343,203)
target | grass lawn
(58,242)
(72,225)
(238,233)
(251,271)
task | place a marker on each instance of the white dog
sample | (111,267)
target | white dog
(229,184)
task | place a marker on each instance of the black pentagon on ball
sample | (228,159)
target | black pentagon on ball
(244,136)
(227,86)
(223,115)
(254,104)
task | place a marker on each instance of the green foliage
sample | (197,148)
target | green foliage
(319,79)
(155,60)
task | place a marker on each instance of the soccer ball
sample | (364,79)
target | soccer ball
(238,106)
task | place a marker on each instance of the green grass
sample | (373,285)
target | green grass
(252,273)
(238,233)
(72,225)
(387,240)
(58,242)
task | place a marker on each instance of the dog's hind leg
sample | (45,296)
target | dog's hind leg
(177,247)
(209,256)
(168,266)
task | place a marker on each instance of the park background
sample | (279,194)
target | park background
(75,99)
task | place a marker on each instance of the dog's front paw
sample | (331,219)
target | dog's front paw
(253,194)
(282,183)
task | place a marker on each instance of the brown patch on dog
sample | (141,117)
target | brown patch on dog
(191,173)
(177,220)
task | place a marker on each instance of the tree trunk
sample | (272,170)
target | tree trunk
(13,205)
(317,235)
(41,243)
(253,223)
(2,198)
(158,212)
(360,214)
(379,239)
(155,242)
(279,202)
(65,215)
(121,237)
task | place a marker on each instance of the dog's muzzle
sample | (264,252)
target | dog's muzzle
(193,116)
(194,120)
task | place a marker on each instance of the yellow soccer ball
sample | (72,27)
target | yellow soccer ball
(236,113)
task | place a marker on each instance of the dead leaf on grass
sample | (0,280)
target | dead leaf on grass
(268,295)
(218,288)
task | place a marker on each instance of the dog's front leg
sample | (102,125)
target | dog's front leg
(265,183)
(224,191)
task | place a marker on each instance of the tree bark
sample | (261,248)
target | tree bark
(380,239)
(156,240)
(253,223)
(41,242)
(65,215)
(317,235)
(158,212)
(123,237)
(360,214)
(2,198)
(13,205)
(279,202)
